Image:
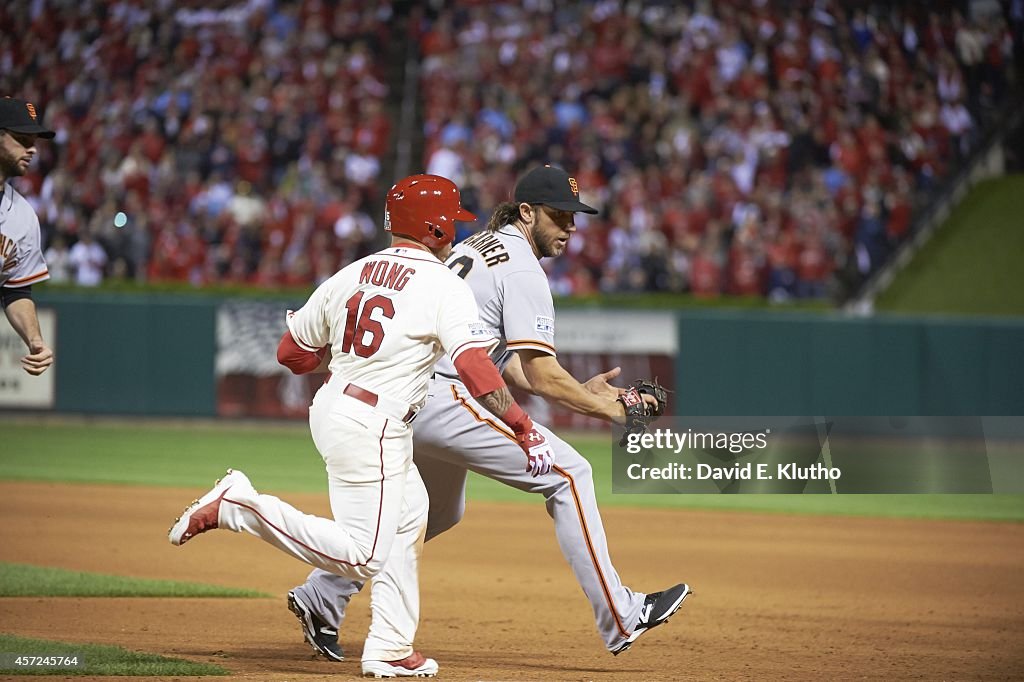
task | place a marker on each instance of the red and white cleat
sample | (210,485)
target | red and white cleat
(201,515)
(413,665)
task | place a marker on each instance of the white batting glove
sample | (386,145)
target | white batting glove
(539,455)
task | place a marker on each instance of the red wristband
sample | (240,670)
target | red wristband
(517,418)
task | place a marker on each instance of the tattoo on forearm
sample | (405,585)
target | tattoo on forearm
(497,402)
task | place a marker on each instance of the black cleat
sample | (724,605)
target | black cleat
(657,609)
(321,636)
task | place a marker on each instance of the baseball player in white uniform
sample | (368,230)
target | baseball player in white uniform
(454,433)
(386,318)
(21,252)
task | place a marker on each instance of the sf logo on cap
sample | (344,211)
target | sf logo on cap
(31,110)
(573,186)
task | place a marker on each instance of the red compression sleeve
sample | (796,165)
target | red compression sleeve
(478,372)
(294,357)
(481,377)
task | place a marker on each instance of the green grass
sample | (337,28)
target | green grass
(972,264)
(935,506)
(282,459)
(185,455)
(95,659)
(21,580)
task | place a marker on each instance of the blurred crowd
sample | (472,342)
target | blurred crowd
(734,147)
(242,142)
(757,147)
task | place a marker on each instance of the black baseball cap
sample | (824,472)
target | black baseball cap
(20,116)
(552,187)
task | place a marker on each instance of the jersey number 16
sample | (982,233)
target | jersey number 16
(363,335)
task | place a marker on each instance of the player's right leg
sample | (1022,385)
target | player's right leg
(467,436)
(323,599)
(394,600)
(446,488)
(367,458)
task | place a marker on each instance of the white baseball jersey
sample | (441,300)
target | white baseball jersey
(388,318)
(21,253)
(503,261)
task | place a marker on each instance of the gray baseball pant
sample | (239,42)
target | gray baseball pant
(453,433)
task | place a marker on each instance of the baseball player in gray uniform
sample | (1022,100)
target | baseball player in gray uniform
(455,433)
(21,253)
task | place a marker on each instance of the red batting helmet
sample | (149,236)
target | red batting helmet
(425,207)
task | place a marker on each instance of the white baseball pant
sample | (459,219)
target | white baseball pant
(380,514)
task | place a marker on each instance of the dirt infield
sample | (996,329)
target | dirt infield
(777,597)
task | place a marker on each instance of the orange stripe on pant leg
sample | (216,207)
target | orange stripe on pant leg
(576,499)
(482,420)
(590,547)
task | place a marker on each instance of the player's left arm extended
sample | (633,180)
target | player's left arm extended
(21,312)
(514,377)
(597,384)
(551,381)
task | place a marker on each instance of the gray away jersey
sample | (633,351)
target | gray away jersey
(21,254)
(511,291)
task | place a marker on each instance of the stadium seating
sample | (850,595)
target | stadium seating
(243,141)
(747,148)
(761,148)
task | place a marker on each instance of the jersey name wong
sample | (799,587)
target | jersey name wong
(488,246)
(378,273)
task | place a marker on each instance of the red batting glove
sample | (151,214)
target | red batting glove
(539,455)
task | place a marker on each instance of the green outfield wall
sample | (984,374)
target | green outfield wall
(751,363)
(155,354)
(134,355)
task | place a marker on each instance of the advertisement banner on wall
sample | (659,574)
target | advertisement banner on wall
(18,388)
(250,383)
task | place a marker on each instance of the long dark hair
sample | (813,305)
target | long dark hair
(504,213)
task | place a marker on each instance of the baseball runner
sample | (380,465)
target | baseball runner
(454,433)
(21,254)
(387,318)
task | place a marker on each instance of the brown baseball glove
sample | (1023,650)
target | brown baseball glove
(639,413)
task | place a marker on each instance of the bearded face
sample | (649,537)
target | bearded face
(550,231)
(16,152)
